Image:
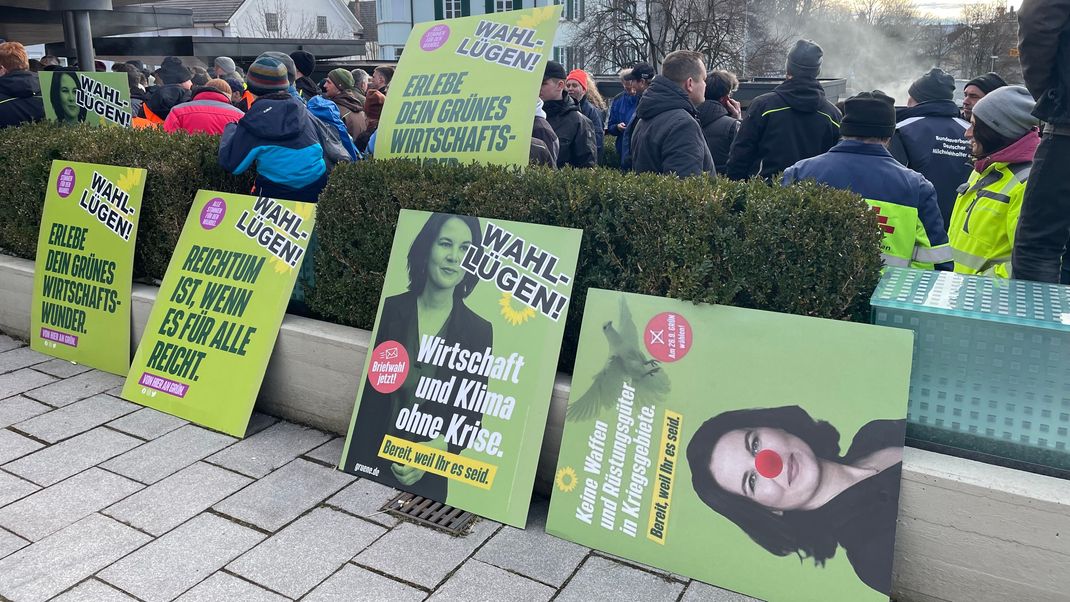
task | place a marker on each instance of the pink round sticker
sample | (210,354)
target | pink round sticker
(389,367)
(668,337)
(65,182)
(435,38)
(213,213)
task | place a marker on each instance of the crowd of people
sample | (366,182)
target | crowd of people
(949,184)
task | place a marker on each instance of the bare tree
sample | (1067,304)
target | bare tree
(988,32)
(621,32)
(283,19)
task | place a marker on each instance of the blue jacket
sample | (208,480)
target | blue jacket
(598,120)
(625,147)
(325,110)
(277,134)
(621,111)
(905,200)
(930,138)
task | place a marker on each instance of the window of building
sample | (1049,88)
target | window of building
(569,13)
(450,9)
(567,56)
(397,52)
(271,21)
(321,24)
(500,6)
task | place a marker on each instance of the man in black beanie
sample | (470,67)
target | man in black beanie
(977,88)
(172,91)
(791,123)
(914,234)
(305,63)
(575,132)
(930,137)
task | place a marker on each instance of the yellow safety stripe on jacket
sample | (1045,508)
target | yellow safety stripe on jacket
(905,242)
(985,217)
(786,108)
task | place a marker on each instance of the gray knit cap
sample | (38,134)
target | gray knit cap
(1008,111)
(225,63)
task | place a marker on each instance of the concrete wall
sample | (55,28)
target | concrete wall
(967,531)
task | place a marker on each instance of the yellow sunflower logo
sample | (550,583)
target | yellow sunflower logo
(538,16)
(516,317)
(127,181)
(566,479)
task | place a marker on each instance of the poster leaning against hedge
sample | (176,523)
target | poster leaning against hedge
(756,451)
(456,388)
(85,264)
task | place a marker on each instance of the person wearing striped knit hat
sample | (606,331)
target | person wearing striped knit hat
(277,136)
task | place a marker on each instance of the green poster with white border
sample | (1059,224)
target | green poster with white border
(86,97)
(465,88)
(217,314)
(755,451)
(456,387)
(85,263)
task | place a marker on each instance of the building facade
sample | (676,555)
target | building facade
(397,17)
(292,19)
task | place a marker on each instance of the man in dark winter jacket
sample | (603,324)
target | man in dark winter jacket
(574,130)
(667,138)
(719,116)
(278,136)
(174,90)
(622,110)
(977,88)
(914,234)
(1044,225)
(640,77)
(305,63)
(20,90)
(542,131)
(930,138)
(789,124)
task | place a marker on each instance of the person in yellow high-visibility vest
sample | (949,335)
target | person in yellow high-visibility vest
(1004,137)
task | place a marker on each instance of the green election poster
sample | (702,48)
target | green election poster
(456,387)
(85,262)
(86,97)
(755,451)
(217,314)
(465,88)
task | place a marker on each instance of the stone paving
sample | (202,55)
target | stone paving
(104,500)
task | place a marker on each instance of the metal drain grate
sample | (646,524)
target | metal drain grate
(430,513)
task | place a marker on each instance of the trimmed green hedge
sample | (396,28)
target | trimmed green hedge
(805,249)
(178,166)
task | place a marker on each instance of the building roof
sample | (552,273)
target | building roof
(205,11)
(365,10)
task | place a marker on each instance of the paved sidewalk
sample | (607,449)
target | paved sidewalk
(103,500)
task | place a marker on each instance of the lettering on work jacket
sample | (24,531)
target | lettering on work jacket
(904,200)
(987,208)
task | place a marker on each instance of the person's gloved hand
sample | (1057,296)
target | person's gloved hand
(407,475)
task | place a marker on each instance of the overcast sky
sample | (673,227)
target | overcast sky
(950,8)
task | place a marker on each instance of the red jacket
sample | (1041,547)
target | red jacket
(208,112)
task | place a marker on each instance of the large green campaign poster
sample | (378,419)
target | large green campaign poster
(456,388)
(85,262)
(86,97)
(465,88)
(755,451)
(217,314)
